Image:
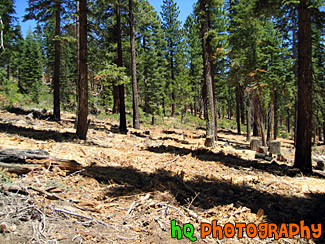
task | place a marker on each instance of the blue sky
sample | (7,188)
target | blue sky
(185,7)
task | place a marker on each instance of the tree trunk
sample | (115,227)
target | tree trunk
(173,80)
(214,97)
(82,125)
(123,128)
(210,133)
(304,118)
(295,68)
(320,133)
(242,105)
(57,56)
(288,120)
(238,108)
(173,105)
(324,131)
(119,61)
(136,115)
(270,131)
(146,95)
(258,116)
(249,119)
(78,61)
(210,51)
(255,130)
(204,98)
(276,119)
(116,99)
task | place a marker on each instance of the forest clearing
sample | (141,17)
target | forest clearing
(128,188)
(128,121)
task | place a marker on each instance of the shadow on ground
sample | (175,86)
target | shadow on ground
(213,192)
(229,160)
(37,134)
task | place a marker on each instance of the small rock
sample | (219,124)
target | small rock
(13,228)
(281,158)
(29,116)
(320,165)
(4,228)
(268,158)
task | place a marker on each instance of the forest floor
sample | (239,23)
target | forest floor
(128,188)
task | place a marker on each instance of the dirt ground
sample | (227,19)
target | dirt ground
(130,187)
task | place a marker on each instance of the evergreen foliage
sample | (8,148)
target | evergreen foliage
(252,48)
(31,67)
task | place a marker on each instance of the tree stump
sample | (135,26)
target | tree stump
(255,143)
(275,147)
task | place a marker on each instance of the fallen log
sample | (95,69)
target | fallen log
(24,161)
(18,169)
(13,155)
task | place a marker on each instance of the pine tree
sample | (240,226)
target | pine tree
(244,32)
(171,26)
(195,63)
(304,83)
(210,106)
(136,115)
(152,60)
(31,67)
(45,11)
(82,114)
(319,77)
(119,62)
(9,31)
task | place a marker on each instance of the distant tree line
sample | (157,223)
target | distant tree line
(261,62)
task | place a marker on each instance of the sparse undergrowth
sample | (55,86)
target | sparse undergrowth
(132,186)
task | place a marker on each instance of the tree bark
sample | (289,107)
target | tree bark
(295,68)
(214,97)
(123,128)
(82,125)
(57,57)
(136,115)
(210,127)
(242,105)
(173,81)
(276,118)
(258,116)
(119,61)
(288,120)
(249,119)
(324,131)
(78,48)
(270,131)
(304,118)
(238,108)
(210,51)
(146,95)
